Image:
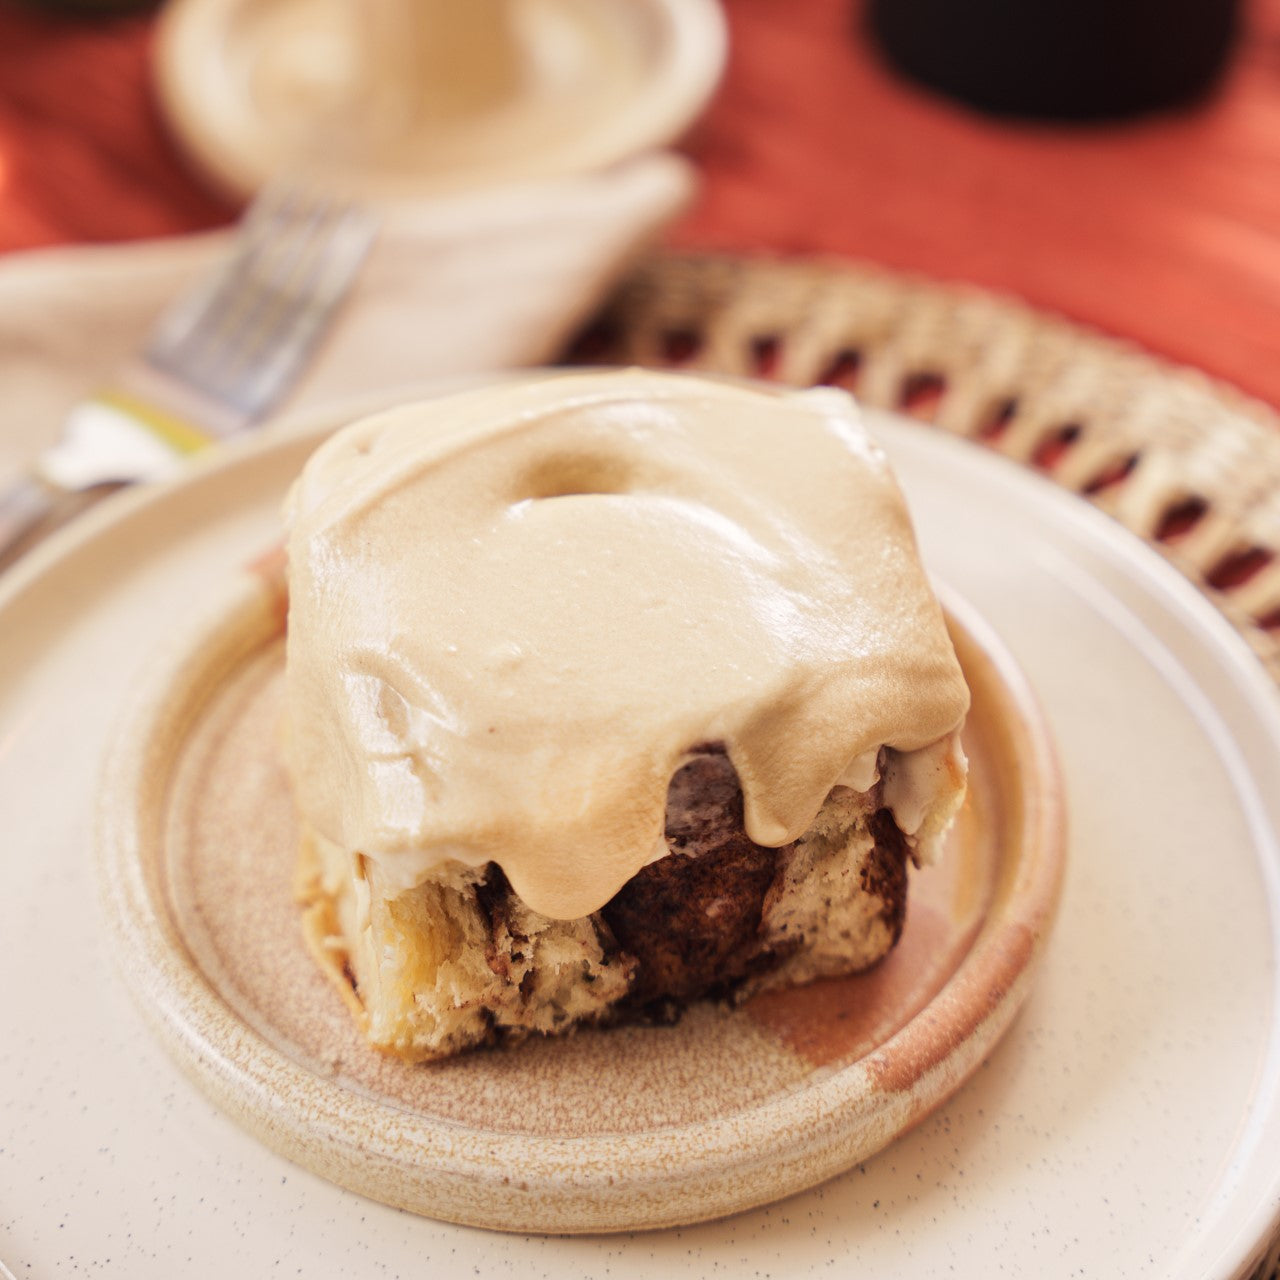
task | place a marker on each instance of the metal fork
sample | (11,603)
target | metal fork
(217,361)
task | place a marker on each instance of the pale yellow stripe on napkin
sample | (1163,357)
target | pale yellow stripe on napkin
(177,433)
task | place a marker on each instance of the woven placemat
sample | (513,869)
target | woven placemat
(1188,464)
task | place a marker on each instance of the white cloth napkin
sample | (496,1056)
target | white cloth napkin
(464,284)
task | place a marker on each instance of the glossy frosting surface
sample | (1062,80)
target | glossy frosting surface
(514,612)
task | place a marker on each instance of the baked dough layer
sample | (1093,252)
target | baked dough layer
(460,961)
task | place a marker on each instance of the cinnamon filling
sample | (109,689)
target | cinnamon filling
(691,924)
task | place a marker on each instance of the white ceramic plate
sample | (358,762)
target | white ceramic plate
(1124,1126)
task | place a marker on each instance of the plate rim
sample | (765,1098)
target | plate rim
(1252,1225)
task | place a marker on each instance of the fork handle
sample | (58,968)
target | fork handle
(24,503)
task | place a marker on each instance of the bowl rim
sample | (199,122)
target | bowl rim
(189,82)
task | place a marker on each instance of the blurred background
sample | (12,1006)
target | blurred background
(835,130)
(898,196)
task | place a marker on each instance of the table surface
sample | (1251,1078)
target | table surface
(1165,231)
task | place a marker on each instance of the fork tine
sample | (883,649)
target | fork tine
(250,287)
(203,302)
(280,352)
(300,290)
(243,338)
(283,274)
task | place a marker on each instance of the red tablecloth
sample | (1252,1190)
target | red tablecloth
(1165,231)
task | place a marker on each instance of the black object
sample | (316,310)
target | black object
(1059,59)
(93,9)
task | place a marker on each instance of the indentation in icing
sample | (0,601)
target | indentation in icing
(514,611)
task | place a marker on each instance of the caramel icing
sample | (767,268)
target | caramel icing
(514,612)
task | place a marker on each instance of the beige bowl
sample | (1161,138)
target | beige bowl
(407,98)
(638,1127)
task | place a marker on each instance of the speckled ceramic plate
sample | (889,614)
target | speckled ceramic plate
(613,1130)
(1125,1125)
